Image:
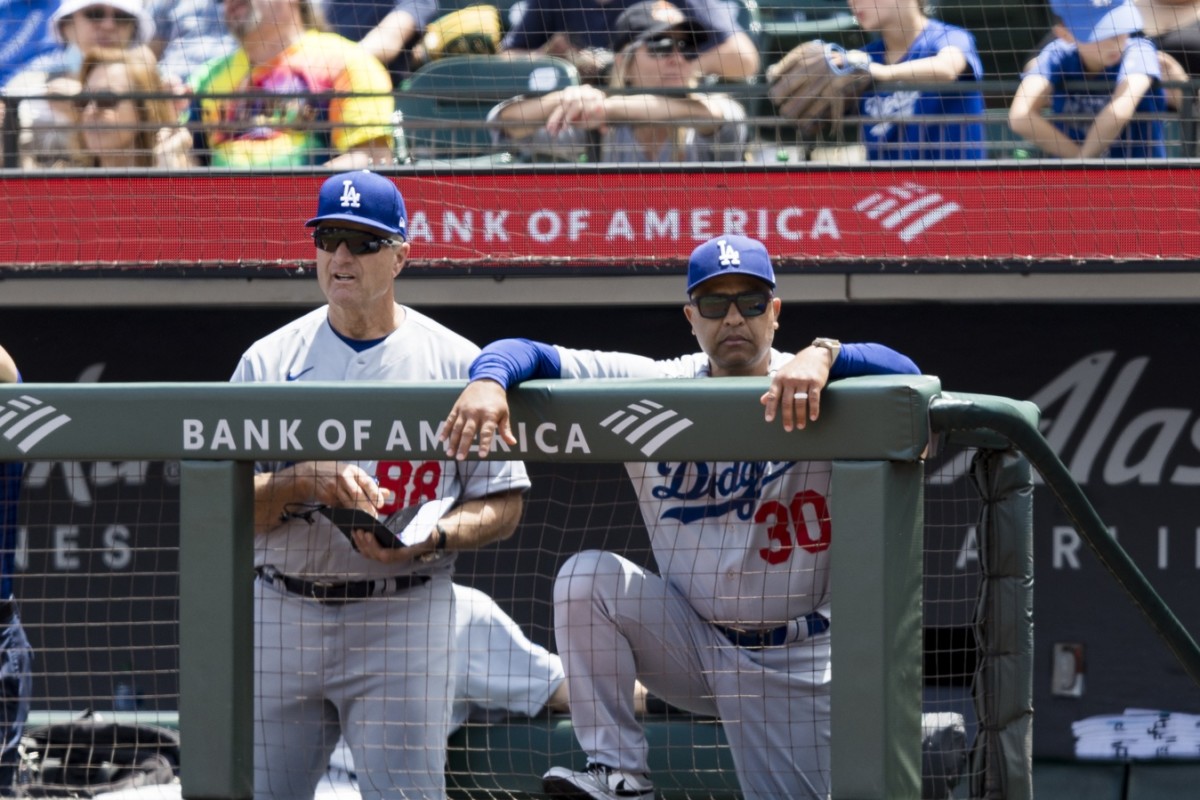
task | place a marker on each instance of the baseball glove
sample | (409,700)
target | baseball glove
(815,82)
(470,31)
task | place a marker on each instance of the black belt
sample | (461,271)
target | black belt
(771,637)
(336,594)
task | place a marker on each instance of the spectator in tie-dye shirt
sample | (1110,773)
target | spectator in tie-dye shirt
(282,63)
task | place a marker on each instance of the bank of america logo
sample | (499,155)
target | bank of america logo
(636,421)
(27,420)
(909,209)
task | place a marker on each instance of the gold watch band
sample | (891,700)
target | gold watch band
(832,345)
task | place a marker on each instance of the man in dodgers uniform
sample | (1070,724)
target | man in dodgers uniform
(738,624)
(16,656)
(356,639)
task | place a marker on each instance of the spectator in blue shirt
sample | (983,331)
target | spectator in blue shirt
(1118,114)
(582,32)
(914,47)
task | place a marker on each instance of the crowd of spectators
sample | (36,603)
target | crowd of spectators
(281,83)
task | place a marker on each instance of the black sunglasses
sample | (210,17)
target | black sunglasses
(104,101)
(357,242)
(716,306)
(667,46)
(100,13)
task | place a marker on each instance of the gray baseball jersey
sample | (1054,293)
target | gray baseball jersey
(421,349)
(741,544)
(698,515)
(380,671)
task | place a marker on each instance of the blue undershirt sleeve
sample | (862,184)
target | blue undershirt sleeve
(511,361)
(868,358)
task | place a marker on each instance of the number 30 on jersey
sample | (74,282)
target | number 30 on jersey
(802,523)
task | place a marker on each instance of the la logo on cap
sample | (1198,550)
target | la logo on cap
(350,196)
(729,257)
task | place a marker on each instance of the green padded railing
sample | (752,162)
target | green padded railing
(875,430)
(955,413)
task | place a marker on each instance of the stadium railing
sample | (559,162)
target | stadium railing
(442,118)
(876,431)
(878,695)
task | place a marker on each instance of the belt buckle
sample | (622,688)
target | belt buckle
(319,590)
(741,637)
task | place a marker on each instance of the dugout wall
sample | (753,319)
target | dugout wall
(137,407)
(875,429)
(1116,411)
(881,424)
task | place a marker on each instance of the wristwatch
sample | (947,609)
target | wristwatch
(832,345)
(439,545)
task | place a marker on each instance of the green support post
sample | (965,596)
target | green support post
(216,635)
(878,517)
(1002,756)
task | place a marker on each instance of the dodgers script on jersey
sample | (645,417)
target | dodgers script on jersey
(746,542)
(421,349)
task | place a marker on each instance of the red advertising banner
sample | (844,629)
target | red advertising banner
(599,217)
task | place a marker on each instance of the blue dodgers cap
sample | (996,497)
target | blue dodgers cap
(364,197)
(730,255)
(1096,20)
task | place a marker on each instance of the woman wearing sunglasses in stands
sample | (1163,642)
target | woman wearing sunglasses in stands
(47,119)
(118,125)
(655,50)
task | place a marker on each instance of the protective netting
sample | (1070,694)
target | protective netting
(98,589)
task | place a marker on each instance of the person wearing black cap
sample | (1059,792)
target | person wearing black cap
(737,625)
(664,122)
(352,638)
(583,32)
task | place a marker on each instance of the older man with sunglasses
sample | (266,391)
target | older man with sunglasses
(353,638)
(738,624)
